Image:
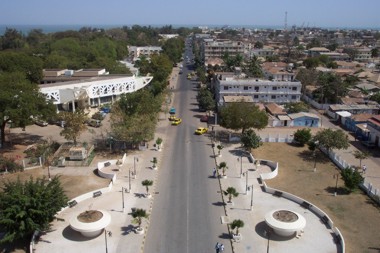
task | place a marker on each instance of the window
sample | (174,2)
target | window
(255,96)
(294,88)
(273,97)
(245,87)
(294,97)
(256,88)
(225,87)
(274,88)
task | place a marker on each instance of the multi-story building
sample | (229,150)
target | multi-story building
(137,52)
(261,52)
(261,91)
(218,48)
(364,54)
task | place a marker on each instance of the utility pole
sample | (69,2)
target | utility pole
(251,197)
(122,196)
(246,182)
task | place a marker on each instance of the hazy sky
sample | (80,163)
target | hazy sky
(322,13)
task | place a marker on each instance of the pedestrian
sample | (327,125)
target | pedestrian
(214,172)
(364,168)
(109,233)
(217,247)
(222,247)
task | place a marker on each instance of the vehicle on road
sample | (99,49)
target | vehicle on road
(172,117)
(40,122)
(176,122)
(94,123)
(172,110)
(204,118)
(201,130)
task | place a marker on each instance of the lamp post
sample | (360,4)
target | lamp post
(251,197)
(105,238)
(336,176)
(111,140)
(122,196)
(135,159)
(129,179)
(315,155)
(216,118)
(246,182)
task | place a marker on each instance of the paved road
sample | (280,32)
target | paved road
(186,213)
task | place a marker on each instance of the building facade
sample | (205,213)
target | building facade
(218,48)
(137,52)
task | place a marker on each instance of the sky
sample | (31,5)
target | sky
(320,13)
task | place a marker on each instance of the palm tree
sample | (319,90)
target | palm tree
(361,156)
(154,161)
(219,147)
(158,143)
(138,215)
(237,224)
(231,192)
(147,183)
(223,167)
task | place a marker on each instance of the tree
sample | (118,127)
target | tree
(19,100)
(219,147)
(158,142)
(302,136)
(223,167)
(250,140)
(154,162)
(29,206)
(74,125)
(311,63)
(147,183)
(352,52)
(253,68)
(258,44)
(294,107)
(138,215)
(205,99)
(230,192)
(241,115)
(237,224)
(307,77)
(332,46)
(375,97)
(375,52)
(351,178)
(331,139)
(331,88)
(361,156)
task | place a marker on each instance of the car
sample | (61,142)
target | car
(176,122)
(172,117)
(204,118)
(41,123)
(172,110)
(201,130)
(94,123)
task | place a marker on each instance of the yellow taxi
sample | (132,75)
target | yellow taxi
(201,130)
(172,117)
(176,122)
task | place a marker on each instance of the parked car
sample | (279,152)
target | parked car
(94,122)
(201,130)
(172,117)
(40,122)
(204,118)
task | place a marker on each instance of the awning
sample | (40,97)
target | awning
(344,114)
(283,117)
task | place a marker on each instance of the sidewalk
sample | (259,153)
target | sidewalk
(255,237)
(62,238)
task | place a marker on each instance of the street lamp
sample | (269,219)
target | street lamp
(105,238)
(246,182)
(111,140)
(251,197)
(336,184)
(122,196)
(241,164)
(135,159)
(129,179)
(315,155)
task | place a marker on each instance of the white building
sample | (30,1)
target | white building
(261,91)
(137,52)
(91,92)
(218,48)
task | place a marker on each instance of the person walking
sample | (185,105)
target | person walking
(217,247)
(364,169)
(221,247)
(214,172)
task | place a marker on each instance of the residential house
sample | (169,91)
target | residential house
(277,115)
(304,119)
(358,125)
(335,111)
(373,125)
(316,51)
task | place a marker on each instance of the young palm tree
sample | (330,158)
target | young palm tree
(154,161)
(223,167)
(147,183)
(231,192)
(138,215)
(237,224)
(219,147)
(361,156)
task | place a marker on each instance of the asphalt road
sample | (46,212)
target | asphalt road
(186,211)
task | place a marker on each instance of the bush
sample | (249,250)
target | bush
(352,178)
(98,116)
(9,165)
(302,136)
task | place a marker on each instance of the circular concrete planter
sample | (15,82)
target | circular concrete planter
(139,231)
(285,222)
(91,229)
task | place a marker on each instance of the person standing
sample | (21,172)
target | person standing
(364,169)
(221,247)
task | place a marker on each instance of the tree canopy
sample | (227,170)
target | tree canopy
(250,140)
(205,99)
(241,115)
(331,139)
(29,206)
(74,124)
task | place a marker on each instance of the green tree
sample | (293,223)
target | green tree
(205,99)
(361,155)
(241,115)
(230,192)
(352,52)
(294,107)
(223,166)
(173,48)
(331,88)
(375,97)
(253,68)
(138,215)
(332,46)
(29,206)
(311,63)
(307,77)
(19,100)
(331,139)
(314,43)
(258,44)
(74,125)
(237,224)
(375,52)
(352,178)
(12,39)
(302,136)
(250,140)
(147,183)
